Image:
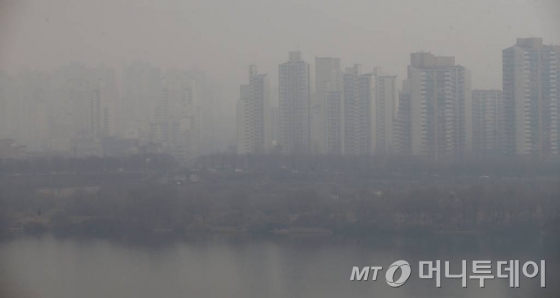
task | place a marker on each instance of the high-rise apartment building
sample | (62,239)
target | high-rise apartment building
(358,109)
(403,129)
(334,123)
(531,88)
(253,129)
(487,123)
(440,107)
(386,103)
(327,79)
(294,104)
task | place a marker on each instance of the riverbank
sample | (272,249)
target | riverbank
(138,209)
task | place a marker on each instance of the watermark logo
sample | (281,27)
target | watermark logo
(481,271)
(364,273)
(405,268)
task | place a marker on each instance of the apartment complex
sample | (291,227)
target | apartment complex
(327,79)
(334,123)
(402,125)
(358,94)
(440,107)
(253,135)
(294,104)
(531,82)
(386,103)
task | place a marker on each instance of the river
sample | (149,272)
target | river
(260,267)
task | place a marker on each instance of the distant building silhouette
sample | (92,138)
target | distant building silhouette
(440,107)
(358,111)
(327,79)
(253,121)
(403,124)
(386,103)
(294,103)
(531,86)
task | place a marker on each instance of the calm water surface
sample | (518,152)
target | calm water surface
(248,267)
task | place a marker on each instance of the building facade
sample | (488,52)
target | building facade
(531,94)
(358,129)
(294,104)
(253,135)
(327,79)
(440,107)
(334,122)
(386,103)
(403,128)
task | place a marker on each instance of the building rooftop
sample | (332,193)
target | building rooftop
(430,60)
(530,42)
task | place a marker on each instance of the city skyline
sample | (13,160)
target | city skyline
(440,117)
(162,106)
(246,148)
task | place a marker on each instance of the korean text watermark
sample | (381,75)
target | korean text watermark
(480,271)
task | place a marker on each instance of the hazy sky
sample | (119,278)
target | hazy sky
(224,36)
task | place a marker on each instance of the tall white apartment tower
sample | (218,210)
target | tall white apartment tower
(531,89)
(294,104)
(253,135)
(440,107)
(358,109)
(327,79)
(386,103)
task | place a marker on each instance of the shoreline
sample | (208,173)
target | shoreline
(295,232)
